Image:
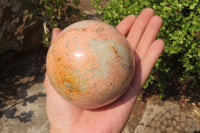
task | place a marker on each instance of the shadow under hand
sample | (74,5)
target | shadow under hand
(19,72)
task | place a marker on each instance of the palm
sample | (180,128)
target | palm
(141,33)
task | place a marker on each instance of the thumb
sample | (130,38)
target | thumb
(55,33)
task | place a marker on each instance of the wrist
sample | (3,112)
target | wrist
(78,130)
(57,130)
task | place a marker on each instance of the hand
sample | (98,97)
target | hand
(68,118)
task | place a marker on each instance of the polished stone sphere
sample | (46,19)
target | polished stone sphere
(90,64)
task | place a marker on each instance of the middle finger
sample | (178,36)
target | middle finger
(139,27)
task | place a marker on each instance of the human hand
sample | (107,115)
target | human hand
(65,117)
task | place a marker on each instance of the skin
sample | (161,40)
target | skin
(65,117)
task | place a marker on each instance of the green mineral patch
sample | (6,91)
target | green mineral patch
(100,29)
(106,52)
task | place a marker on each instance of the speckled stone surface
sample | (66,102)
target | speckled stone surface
(166,117)
(90,64)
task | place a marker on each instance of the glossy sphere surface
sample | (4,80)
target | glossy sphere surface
(90,64)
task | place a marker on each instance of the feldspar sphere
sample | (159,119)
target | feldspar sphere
(90,64)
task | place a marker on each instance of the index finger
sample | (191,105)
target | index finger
(125,25)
